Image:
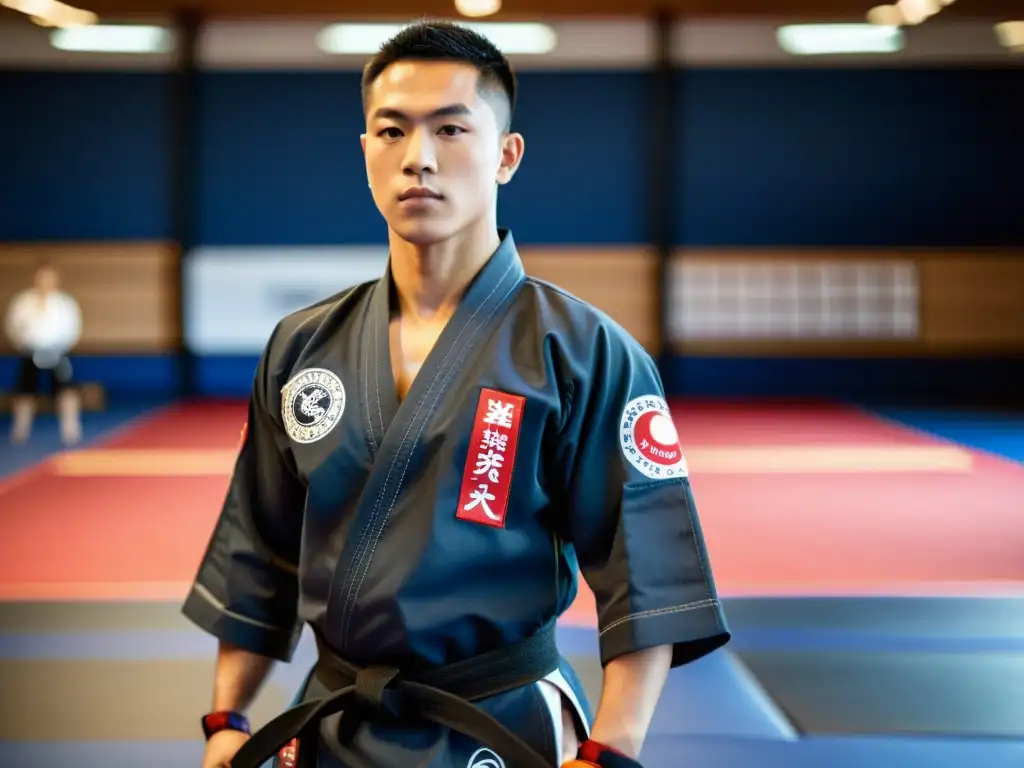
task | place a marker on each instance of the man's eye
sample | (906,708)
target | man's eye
(390,133)
(451,130)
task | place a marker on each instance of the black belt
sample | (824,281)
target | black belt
(442,695)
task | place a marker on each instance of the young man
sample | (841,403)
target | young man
(429,459)
(44,324)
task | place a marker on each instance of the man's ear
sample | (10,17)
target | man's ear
(512,147)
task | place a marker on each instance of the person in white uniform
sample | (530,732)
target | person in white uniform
(44,324)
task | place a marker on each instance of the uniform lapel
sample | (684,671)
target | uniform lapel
(394,430)
(502,274)
(380,400)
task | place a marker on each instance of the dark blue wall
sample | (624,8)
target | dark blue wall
(851,158)
(124,376)
(282,163)
(83,156)
(763,158)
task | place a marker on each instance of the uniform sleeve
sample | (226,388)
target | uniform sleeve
(14,324)
(632,520)
(246,591)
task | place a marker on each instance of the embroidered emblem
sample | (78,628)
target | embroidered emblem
(312,404)
(485,758)
(487,476)
(649,439)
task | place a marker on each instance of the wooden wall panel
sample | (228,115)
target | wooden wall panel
(619,281)
(128,292)
(970,303)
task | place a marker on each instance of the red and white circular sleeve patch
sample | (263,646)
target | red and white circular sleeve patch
(649,439)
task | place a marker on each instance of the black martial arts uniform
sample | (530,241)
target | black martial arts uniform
(535,441)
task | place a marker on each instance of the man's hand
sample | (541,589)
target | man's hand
(221,748)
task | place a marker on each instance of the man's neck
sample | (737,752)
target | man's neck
(430,280)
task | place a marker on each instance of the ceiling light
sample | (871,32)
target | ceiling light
(112,39)
(917,11)
(477,8)
(511,38)
(819,39)
(886,15)
(39,8)
(1011,35)
(51,13)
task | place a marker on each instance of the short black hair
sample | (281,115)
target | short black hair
(446,41)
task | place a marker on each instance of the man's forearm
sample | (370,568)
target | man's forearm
(238,678)
(630,692)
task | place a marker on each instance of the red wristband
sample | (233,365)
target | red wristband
(215,722)
(602,756)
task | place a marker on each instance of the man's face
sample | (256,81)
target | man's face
(435,149)
(46,280)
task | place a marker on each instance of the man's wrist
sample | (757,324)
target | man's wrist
(224,720)
(619,741)
(604,756)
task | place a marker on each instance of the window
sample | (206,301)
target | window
(794,300)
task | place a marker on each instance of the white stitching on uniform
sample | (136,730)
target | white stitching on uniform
(376,369)
(705,603)
(207,595)
(353,596)
(371,440)
(423,426)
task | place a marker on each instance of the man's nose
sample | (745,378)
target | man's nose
(420,156)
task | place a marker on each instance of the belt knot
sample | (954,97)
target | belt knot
(373,691)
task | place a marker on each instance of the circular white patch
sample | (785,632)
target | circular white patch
(312,404)
(649,439)
(485,758)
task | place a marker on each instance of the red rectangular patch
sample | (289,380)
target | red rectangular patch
(289,754)
(492,454)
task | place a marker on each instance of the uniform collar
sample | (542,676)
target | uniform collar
(503,266)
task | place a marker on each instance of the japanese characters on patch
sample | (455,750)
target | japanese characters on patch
(489,464)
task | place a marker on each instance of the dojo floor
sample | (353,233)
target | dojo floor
(872,563)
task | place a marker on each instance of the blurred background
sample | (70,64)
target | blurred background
(809,211)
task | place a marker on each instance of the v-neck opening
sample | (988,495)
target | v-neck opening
(384,405)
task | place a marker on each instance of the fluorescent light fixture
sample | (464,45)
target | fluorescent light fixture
(886,15)
(510,37)
(819,39)
(101,38)
(51,13)
(1011,35)
(917,11)
(477,8)
(30,7)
